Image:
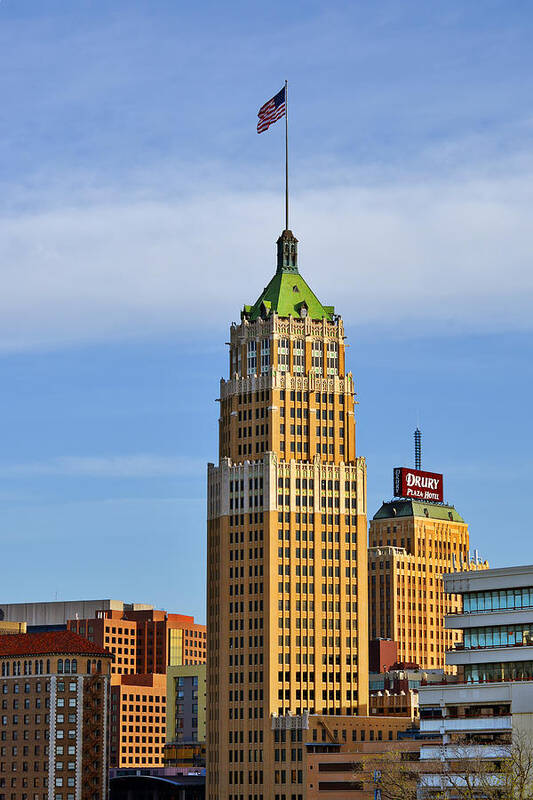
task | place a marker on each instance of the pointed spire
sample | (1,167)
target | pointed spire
(418,448)
(287,294)
(287,252)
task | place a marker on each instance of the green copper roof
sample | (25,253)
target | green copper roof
(287,294)
(416,508)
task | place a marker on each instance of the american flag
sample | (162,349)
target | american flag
(272,110)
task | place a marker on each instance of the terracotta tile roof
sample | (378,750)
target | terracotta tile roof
(47,643)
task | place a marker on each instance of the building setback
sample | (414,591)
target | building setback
(54,725)
(412,545)
(287,555)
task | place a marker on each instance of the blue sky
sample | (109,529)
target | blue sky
(139,211)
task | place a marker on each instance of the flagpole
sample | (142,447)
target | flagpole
(286,157)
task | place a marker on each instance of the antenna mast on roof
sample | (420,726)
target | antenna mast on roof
(418,449)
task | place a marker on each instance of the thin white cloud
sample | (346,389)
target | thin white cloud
(429,254)
(131,466)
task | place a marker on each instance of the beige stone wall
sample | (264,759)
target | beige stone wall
(12,627)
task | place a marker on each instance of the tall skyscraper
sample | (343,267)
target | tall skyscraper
(287,554)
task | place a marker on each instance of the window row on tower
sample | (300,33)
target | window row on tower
(289,358)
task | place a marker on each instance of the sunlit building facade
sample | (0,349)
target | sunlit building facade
(287,554)
(413,544)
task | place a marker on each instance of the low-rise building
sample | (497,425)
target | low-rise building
(187,758)
(138,720)
(334,758)
(390,704)
(476,717)
(395,692)
(54,693)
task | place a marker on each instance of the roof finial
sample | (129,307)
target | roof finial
(287,252)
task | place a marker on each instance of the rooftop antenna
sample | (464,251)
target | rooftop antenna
(418,449)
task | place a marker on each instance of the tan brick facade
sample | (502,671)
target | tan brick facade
(287,556)
(348,774)
(138,720)
(412,545)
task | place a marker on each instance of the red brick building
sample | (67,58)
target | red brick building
(144,642)
(382,654)
(54,693)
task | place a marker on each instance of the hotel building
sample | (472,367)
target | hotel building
(412,545)
(287,543)
(54,693)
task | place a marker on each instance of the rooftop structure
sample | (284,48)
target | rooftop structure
(60,611)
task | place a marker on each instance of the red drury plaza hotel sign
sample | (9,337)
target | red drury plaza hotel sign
(418,485)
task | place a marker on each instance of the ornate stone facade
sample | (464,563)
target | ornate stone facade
(287,555)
